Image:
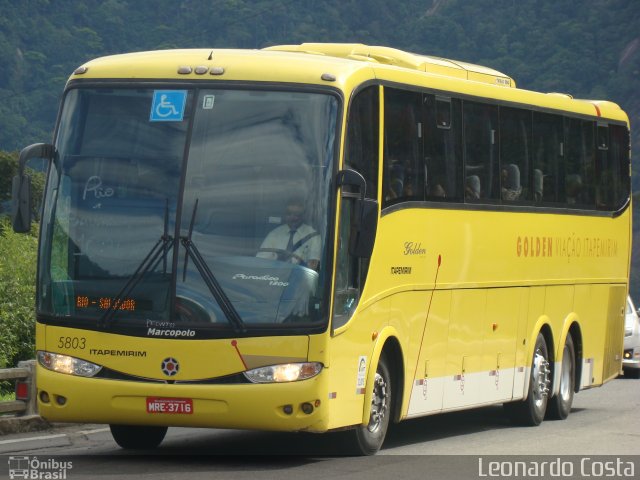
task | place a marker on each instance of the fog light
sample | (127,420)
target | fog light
(44,397)
(60,400)
(288,409)
(307,408)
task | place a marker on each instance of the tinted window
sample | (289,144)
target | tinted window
(579,163)
(482,180)
(403,177)
(612,167)
(443,148)
(515,151)
(548,143)
(361,151)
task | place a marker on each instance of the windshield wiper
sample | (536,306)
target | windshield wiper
(209,278)
(158,252)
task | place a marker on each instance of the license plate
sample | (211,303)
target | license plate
(169,405)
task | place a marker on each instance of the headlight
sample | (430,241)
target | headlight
(66,364)
(288,372)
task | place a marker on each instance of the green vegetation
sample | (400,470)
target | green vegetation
(8,396)
(17,272)
(17,294)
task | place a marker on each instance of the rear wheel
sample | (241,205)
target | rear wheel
(531,411)
(367,440)
(560,405)
(138,437)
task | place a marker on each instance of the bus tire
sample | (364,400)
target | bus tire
(367,440)
(560,405)
(135,437)
(530,412)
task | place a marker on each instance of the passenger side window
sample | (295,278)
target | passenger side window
(443,148)
(548,145)
(481,167)
(612,167)
(403,176)
(579,154)
(515,148)
(361,151)
(361,154)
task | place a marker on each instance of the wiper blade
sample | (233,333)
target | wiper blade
(151,261)
(158,252)
(209,278)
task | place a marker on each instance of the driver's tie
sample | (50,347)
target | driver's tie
(290,244)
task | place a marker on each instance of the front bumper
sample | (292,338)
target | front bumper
(246,406)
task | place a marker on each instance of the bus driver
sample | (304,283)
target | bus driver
(293,241)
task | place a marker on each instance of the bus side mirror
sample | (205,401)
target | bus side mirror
(21,213)
(363,229)
(364,214)
(21,203)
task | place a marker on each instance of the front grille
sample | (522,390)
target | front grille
(234,379)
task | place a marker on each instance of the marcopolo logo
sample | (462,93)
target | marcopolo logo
(35,468)
(167,329)
(170,366)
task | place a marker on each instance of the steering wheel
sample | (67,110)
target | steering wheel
(190,311)
(284,255)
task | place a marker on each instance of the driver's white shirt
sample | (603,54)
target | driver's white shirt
(278,239)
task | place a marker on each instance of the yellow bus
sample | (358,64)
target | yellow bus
(323,237)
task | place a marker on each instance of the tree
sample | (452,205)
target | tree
(8,168)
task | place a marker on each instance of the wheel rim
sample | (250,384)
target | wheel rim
(379,403)
(566,375)
(541,378)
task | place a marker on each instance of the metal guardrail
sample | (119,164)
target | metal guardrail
(26,371)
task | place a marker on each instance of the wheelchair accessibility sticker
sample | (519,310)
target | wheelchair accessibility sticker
(168,105)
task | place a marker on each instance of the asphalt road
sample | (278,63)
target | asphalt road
(604,422)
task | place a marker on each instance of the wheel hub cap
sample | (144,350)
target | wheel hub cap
(379,403)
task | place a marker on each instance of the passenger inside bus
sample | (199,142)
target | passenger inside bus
(437,191)
(294,241)
(472,188)
(538,185)
(511,188)
(573,188)
(396,180)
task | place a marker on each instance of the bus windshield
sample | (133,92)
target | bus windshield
(205,209)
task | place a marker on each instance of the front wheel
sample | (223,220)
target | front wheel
(531,411)
(138,437)
(560,405)
(367,440)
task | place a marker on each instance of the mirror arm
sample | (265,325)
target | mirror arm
(37,150)
(351,177)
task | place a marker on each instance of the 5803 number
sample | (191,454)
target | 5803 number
(76,343)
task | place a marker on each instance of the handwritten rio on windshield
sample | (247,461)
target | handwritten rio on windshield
(94,184)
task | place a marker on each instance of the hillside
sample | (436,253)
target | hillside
(590,51)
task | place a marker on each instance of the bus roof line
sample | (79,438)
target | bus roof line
(402,59)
